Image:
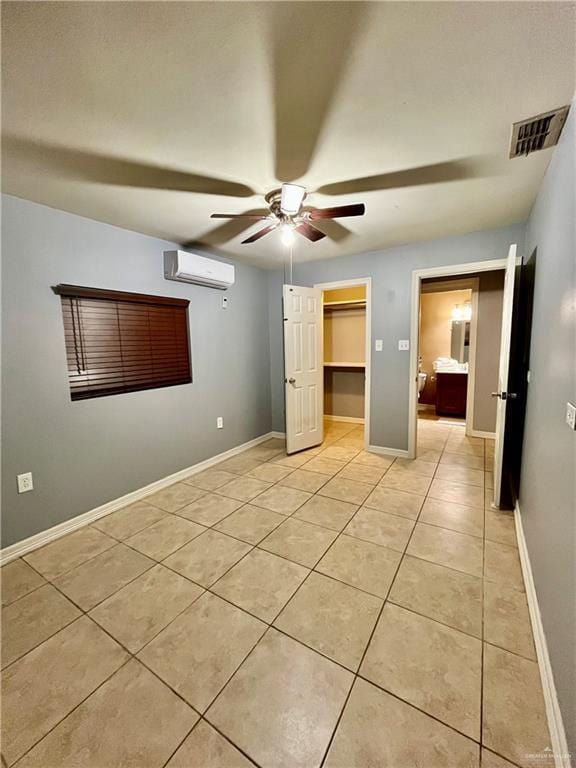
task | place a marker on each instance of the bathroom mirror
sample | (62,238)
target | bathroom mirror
(460,341)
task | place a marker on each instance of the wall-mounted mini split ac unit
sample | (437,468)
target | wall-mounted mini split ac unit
(191,268)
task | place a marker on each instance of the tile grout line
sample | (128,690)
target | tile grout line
(86,611)
(403,554)
(357,673)
(281,609)
(124,663)
(83,611)
(235,670)
(270,626)
(180,743)
(483,616)
(387,600)
(88,559)
(319,525)
(34,589)
(5,667)
(202,719)
(133,655)
(154,562)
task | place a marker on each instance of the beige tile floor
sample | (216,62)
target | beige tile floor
(334,608)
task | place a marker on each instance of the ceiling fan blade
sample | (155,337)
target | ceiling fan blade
(89,166)
(310,51)
(334,230)
(259,234)
(228,229)
(309,231)
(254,216)
(339,212)
(437,173)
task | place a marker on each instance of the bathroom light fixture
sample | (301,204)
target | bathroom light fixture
(287,235)
(462,312)
(291,199)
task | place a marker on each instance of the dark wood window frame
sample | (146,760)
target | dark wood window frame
(118,342)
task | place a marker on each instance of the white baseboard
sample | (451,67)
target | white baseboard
(278,435)
(554,715)
(351,419)
(25,546)
(481,433)
(388,451)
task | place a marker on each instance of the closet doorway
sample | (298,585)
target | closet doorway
(346,333)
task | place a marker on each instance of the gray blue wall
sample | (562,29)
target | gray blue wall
(89,452)
(548,485)
(391,273)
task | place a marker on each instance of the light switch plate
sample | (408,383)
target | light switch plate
(571,415)
(25,482)
(224,302)
(403,345)
(219,423)
(378,345)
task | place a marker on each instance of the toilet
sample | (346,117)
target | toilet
(422,376)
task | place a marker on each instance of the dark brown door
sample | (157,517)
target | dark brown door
(518,380)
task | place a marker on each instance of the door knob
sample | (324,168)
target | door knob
(505,395)
(291,381)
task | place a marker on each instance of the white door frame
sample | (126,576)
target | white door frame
(472,363)
(367,282)
(449,270)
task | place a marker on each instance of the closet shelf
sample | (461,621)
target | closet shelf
(350,304)
(344,365)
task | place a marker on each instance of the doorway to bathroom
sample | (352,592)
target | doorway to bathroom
(459,328)
(447,350)
(505,297)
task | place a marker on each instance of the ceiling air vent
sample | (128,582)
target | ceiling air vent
(538,132)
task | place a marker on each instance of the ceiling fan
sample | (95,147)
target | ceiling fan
(286,214)
(303,39)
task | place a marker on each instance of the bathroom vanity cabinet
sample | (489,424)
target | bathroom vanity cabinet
(451,391)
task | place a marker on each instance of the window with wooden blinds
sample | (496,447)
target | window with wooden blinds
(123,342)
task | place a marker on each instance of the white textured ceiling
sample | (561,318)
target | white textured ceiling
(125,112)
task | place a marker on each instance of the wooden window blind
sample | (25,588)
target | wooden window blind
(123,342)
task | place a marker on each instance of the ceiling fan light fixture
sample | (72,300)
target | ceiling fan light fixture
(291,199)
(287,235)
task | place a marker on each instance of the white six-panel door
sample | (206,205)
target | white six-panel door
(303,367)
(502,394)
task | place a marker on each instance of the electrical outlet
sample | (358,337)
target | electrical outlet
(403,345)
(25,482)
(378,345)
(571,415)
(219,423)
